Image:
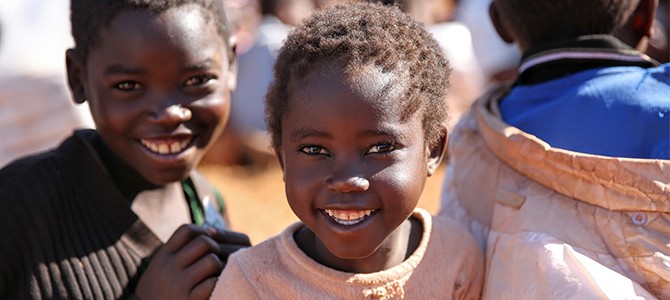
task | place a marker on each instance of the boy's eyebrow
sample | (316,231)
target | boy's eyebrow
(203,65)
(303,133)
(116,69)
(120,69)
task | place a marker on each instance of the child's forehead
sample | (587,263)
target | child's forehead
(369,81)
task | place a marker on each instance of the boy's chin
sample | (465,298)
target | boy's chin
(166,178)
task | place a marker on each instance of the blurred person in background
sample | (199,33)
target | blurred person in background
(497,59)
(246,142)
(467,79)
(659,42)
(35,108)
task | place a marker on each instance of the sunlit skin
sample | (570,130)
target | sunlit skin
(346,150)
(162,98)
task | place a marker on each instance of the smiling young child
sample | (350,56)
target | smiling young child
(357,117)
(89,219)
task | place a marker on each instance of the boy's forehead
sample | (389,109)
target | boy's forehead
(185,26)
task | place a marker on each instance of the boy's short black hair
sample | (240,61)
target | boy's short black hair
(539,21)
(88,17)
(358,35)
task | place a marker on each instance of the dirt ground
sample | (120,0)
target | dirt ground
(257,204)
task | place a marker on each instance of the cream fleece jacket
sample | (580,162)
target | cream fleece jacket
(557,224)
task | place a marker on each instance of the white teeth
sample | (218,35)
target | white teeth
(175,147)
(348,217)
(163,147)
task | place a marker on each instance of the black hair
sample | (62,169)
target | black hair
(89,17)
(358,35)
(539,21)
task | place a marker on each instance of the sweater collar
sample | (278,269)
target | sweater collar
(547,61)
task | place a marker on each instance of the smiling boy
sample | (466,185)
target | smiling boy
(114,212)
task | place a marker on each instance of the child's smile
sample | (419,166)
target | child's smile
(354,167)
(349,217)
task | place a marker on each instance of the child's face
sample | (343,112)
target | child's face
(158,87)
(353,169)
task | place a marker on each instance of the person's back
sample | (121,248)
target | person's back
(357,118)
(114,212)
(582,89)
(563,175)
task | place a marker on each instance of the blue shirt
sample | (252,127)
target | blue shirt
(611,111)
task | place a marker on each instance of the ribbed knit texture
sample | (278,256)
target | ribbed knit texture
(67,231)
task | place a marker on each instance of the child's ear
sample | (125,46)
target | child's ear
(75,75)
(437,151)
(499,25)
(232,63)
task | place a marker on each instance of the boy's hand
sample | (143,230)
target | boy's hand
(186,267)
(229,242)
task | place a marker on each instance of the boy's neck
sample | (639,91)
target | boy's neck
(596,41)
(395,249)
(552,60)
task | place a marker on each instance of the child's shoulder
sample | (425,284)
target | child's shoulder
(273,248)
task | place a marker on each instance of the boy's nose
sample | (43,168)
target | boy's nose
(348,184)
(173,114)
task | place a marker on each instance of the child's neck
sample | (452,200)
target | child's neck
(395,249)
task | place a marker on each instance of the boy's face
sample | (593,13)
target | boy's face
(354,171)
(158,87)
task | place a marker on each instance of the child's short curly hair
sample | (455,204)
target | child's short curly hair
(88,17)
(539,21)
(362,34)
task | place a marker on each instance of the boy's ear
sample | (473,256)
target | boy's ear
(639,26)
(232,63)
(437,151)
(75,75)
(643,17)
(499,25)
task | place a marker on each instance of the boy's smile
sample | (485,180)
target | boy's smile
(158,86)
(354,168)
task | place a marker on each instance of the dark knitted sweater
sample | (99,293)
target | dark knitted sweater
(67,232)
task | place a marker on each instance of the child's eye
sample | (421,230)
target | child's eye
(382,148)
(199,80)
(128,86)
(313,150)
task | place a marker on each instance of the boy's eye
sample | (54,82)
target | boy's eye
(382,148)
(313,150)
(128,86)
(199,80)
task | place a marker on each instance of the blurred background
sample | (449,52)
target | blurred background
(36,111)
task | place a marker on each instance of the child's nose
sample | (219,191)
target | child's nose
(173,114)
(348,184)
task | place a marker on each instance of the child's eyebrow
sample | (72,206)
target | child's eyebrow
(303,133)
(394,134)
